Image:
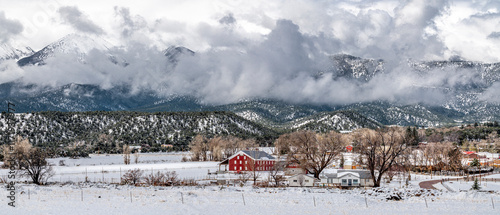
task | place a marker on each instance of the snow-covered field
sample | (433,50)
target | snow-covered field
(111,199)
(113,159)
(105,198)
(109,168)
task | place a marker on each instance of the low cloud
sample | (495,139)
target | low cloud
(128,23)
(290,61)
(74,17)
(227,19)
(494,35)
(8,28)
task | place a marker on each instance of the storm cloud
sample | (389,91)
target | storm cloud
(285,53)
(74,17)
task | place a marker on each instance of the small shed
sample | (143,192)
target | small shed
(301,180)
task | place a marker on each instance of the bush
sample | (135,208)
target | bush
(184,159)
(133,177)
(157,179)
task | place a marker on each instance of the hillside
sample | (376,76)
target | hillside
(109,130)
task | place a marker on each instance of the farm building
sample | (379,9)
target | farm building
(346,178)
(301,180)
(247,160)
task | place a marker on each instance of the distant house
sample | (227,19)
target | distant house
(346,178)
(247,160)
(167,146)
(135,148)
(301,180)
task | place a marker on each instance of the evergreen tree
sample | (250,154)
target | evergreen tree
(475,163)
(476,186)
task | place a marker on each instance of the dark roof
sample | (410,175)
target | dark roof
(258,155)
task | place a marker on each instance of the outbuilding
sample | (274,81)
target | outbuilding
(301,180)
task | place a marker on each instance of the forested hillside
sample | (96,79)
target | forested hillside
(108,131)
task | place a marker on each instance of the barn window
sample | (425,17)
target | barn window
(246,168)
(294,180)
(234,162)
(240,162)
(246,162)
(245,157)
(238,157)
(240,167)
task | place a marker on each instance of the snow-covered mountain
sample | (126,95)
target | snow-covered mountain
(351,67)
(173,53)
(461,82)
(8,52)
(73,44)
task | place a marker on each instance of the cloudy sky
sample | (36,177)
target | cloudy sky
(255,48)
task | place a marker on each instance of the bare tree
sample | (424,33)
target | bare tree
(230,146)
(132,177)
(215,148)
(15,155)
(276,173)
(35,166)
(282,144)
(254,173)
(126,154)
(136,157)
(314,152)
(244,177)
(380,148)
(455,159)
(199,148)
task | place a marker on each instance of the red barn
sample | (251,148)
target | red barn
(246,160)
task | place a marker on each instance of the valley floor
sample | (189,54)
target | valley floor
(69,195)
(111,199)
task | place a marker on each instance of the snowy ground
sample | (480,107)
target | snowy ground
(111,199)
(109,168)
(114,159)
(101,198)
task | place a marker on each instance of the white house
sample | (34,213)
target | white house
(346,178)
(301,180)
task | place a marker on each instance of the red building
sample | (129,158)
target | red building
(248,160)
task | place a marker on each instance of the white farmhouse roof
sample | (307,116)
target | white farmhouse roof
(342,174)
